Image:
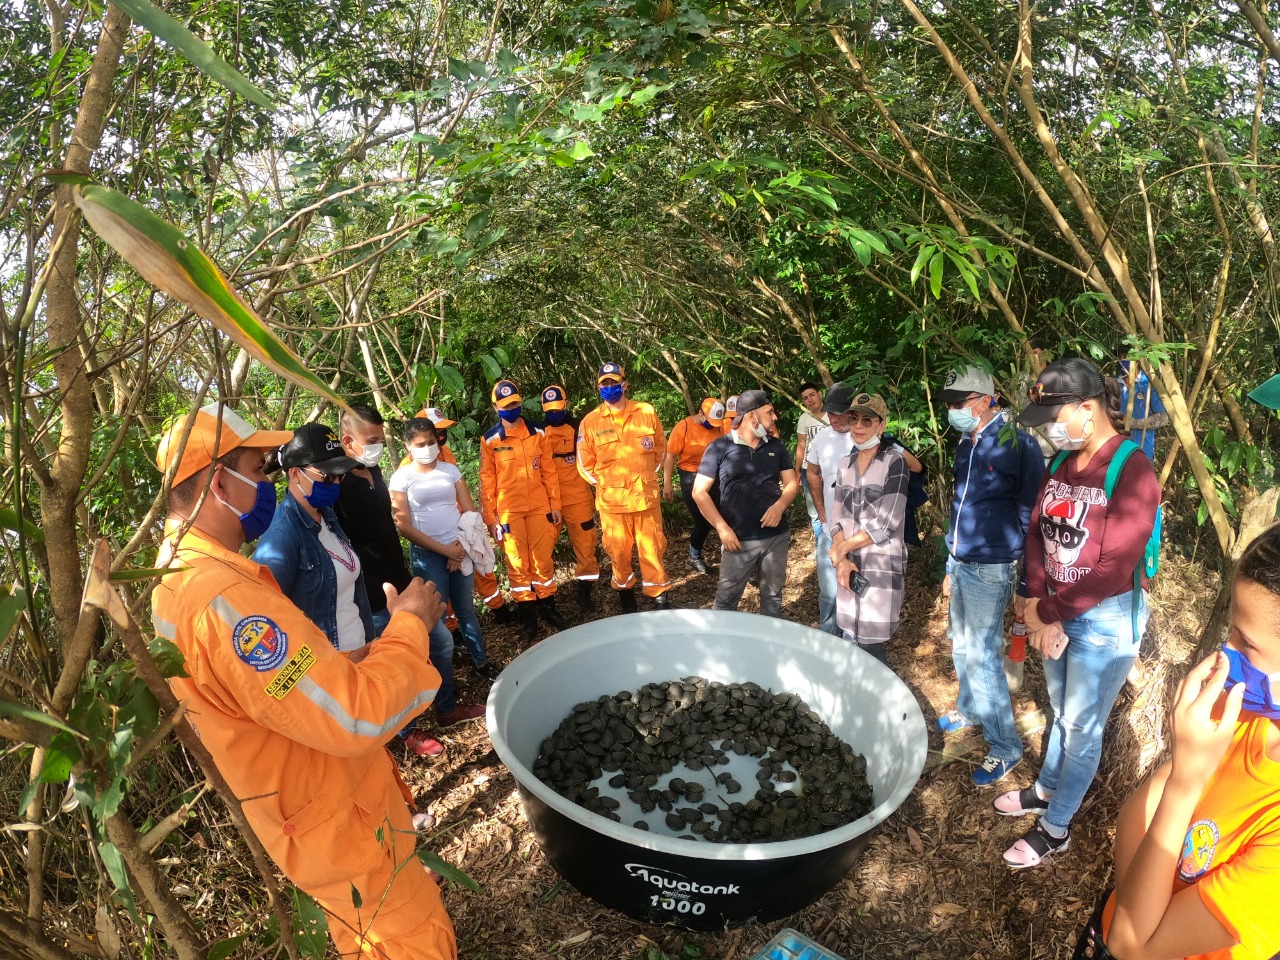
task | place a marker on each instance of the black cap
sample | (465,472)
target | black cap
(839,396)
(1071,380)
(314,445)
(750,400)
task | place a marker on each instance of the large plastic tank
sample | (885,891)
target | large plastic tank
(700,885)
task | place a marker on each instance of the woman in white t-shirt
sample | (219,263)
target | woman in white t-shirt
(306,549)
(425,498)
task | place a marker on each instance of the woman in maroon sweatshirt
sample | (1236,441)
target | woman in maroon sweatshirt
(1082,549)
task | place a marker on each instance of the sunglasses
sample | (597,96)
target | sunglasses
(961,404)
(860,421)
(324,477)
(1037,394)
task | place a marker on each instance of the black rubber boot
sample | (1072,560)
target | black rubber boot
(586,602)
(547,610)
(627,600)
(662,601)
(528,616)
(502,614)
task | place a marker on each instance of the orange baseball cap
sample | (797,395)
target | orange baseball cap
(554,398)
(714,411)
(210,440)
(437,417)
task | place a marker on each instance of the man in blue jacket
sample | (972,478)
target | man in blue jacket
(997,473)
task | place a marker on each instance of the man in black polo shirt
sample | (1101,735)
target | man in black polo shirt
(757,483)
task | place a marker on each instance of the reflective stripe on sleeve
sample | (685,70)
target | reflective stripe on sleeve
(164,628)
(225,611)
(364,728)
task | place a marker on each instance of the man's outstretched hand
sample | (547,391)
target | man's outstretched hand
(419,598)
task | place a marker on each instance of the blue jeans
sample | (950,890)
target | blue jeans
(826,583)
(809,508)
(441,653)
(980,594)
(1083,685)
(456,588)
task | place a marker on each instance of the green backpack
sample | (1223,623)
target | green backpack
(1150,562)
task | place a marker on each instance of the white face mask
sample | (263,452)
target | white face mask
(760,431)
(425,455)
(1060,436)
(371,454)
(869,444)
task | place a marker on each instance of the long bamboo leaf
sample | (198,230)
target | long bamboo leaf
(134,574)
(201,55)
(433,861)
(11,606)
(9,520)
(168,260)
(113,860)
(10,709)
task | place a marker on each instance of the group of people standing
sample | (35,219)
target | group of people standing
(296,704)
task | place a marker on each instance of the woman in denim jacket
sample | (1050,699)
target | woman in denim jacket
(306,549)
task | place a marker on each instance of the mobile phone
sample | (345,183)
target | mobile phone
(1056,646)
(858,583)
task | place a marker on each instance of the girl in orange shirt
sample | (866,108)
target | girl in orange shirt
(1197,856)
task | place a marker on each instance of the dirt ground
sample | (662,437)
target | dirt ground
(931,883)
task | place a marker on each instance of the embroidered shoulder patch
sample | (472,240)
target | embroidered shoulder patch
(1198,850)
(292,672)
(646,443)
(259,642)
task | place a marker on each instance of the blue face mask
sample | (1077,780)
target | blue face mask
(255,522)
(964,420)
(512,414)
(1259,693)
(322,494)
(611,392)
(557,418)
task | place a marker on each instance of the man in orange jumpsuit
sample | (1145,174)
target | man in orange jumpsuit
(520,503)
(620,448)
(685,447)
(486,584)
(295,727)
(577,503)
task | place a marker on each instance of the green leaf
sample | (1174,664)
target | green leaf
(113,860)
(447,870)
(310,927)
(581,150)
(935,275)
(166,259)
(57,767)
(68,177)
(492,369)
(922,258)
(11,607)
(224,949)
(11,709)
(132,575)
(200,54)
(357,901)
(169,659)
(10,520)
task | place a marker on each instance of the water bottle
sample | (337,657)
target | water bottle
(1016,655)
